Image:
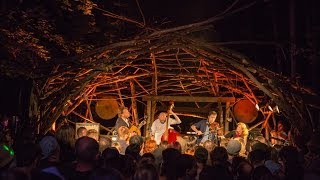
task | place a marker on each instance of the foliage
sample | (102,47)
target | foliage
(48,32)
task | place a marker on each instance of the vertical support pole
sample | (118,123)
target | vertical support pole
(227,117)
(266,126)
(153,110)
(148,124)
(220,113)
(119,94)
(88,107)
(134,103)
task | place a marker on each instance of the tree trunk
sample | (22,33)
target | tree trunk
(292,32)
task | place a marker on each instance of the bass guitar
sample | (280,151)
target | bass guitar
(169,135)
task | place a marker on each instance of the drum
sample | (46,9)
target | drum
(245,111)
(107,108)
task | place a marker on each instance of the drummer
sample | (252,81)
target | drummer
(207,129)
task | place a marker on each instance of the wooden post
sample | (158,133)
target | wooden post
(274,122)
(220,113)
(88,107)
(148,125)
(153,111)
(226,119)
(134,103)
(188,98)
(151,107)
(266,126)
(119,94)
(155,88)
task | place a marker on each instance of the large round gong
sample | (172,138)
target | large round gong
(107,108)
(245,111)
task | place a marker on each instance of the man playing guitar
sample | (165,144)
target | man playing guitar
(123,119)
(207,129)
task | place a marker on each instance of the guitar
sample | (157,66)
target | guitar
(136,129)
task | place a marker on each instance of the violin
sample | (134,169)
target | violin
(215,128)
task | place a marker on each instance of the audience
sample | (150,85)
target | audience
(63,157)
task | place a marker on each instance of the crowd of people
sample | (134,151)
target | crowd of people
(78,154)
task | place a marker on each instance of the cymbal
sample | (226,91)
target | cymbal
(107,108)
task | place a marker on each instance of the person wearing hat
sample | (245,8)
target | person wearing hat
(233,148)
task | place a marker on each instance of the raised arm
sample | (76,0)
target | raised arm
(176,119)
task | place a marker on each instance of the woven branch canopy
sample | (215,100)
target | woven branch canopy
(168,64)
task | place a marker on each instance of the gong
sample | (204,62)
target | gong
(107,108)
(245,111)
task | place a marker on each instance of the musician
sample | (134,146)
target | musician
(207,129)
(158,127)
(123,119)
(242,131)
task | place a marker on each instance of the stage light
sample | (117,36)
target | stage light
(257,107)
(274,109)
(114,138)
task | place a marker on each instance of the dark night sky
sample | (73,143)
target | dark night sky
(266,21)
(255,24)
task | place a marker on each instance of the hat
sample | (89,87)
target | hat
(233,147)
(48,145)
(201,154)
(136,140)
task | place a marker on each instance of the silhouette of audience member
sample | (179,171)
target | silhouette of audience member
(107,174)
(104,142)
(87,154)
(66,140)
(146,169)
(186,167)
